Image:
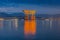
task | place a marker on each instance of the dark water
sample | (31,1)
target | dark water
(48,29)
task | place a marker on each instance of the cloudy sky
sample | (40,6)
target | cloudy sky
(41,6)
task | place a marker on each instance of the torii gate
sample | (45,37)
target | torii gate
(29,25)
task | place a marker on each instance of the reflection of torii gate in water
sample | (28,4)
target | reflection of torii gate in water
(29,25)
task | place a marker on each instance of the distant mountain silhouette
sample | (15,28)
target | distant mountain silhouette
(42,15)
(56,15)
(18,15)
(22,15)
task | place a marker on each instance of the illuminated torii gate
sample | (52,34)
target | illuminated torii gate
(29,25)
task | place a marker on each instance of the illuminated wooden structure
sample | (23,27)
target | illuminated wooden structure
(29,25)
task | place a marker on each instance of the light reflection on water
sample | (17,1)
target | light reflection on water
(48,29)
(30,27)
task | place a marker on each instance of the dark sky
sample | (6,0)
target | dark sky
(48,2)
(41,6)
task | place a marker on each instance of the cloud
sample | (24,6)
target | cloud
(39,8)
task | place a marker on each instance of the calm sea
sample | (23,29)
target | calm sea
(48,29)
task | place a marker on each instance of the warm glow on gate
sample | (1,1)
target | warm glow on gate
(26,12)
(29,25)
(32,12)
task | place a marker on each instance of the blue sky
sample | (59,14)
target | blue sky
(54,2)
(41,6)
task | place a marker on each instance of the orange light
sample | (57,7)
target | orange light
(33,25)
(29,25)
(32,12)
(26,12)
(26,26)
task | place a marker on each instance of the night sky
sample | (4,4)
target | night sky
(41,6)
